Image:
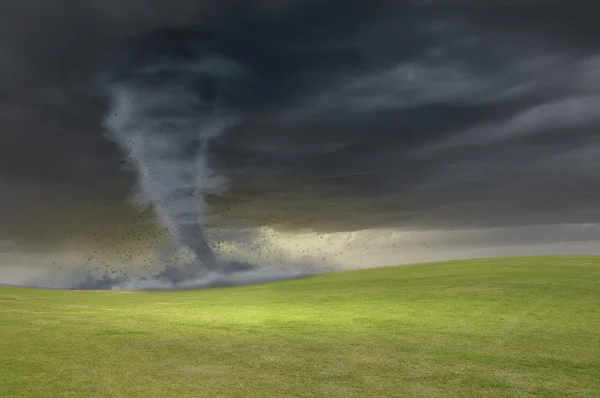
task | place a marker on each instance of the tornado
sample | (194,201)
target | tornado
(169,95)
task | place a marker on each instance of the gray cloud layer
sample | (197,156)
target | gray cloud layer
(425,116)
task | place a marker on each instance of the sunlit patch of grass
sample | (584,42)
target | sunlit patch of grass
(524,327)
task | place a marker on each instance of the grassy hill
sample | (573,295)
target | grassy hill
(492,328)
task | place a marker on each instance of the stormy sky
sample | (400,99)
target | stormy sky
(414,115)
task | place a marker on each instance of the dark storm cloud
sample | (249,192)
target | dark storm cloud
(420,114)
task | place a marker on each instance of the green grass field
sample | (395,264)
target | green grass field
(512,327)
